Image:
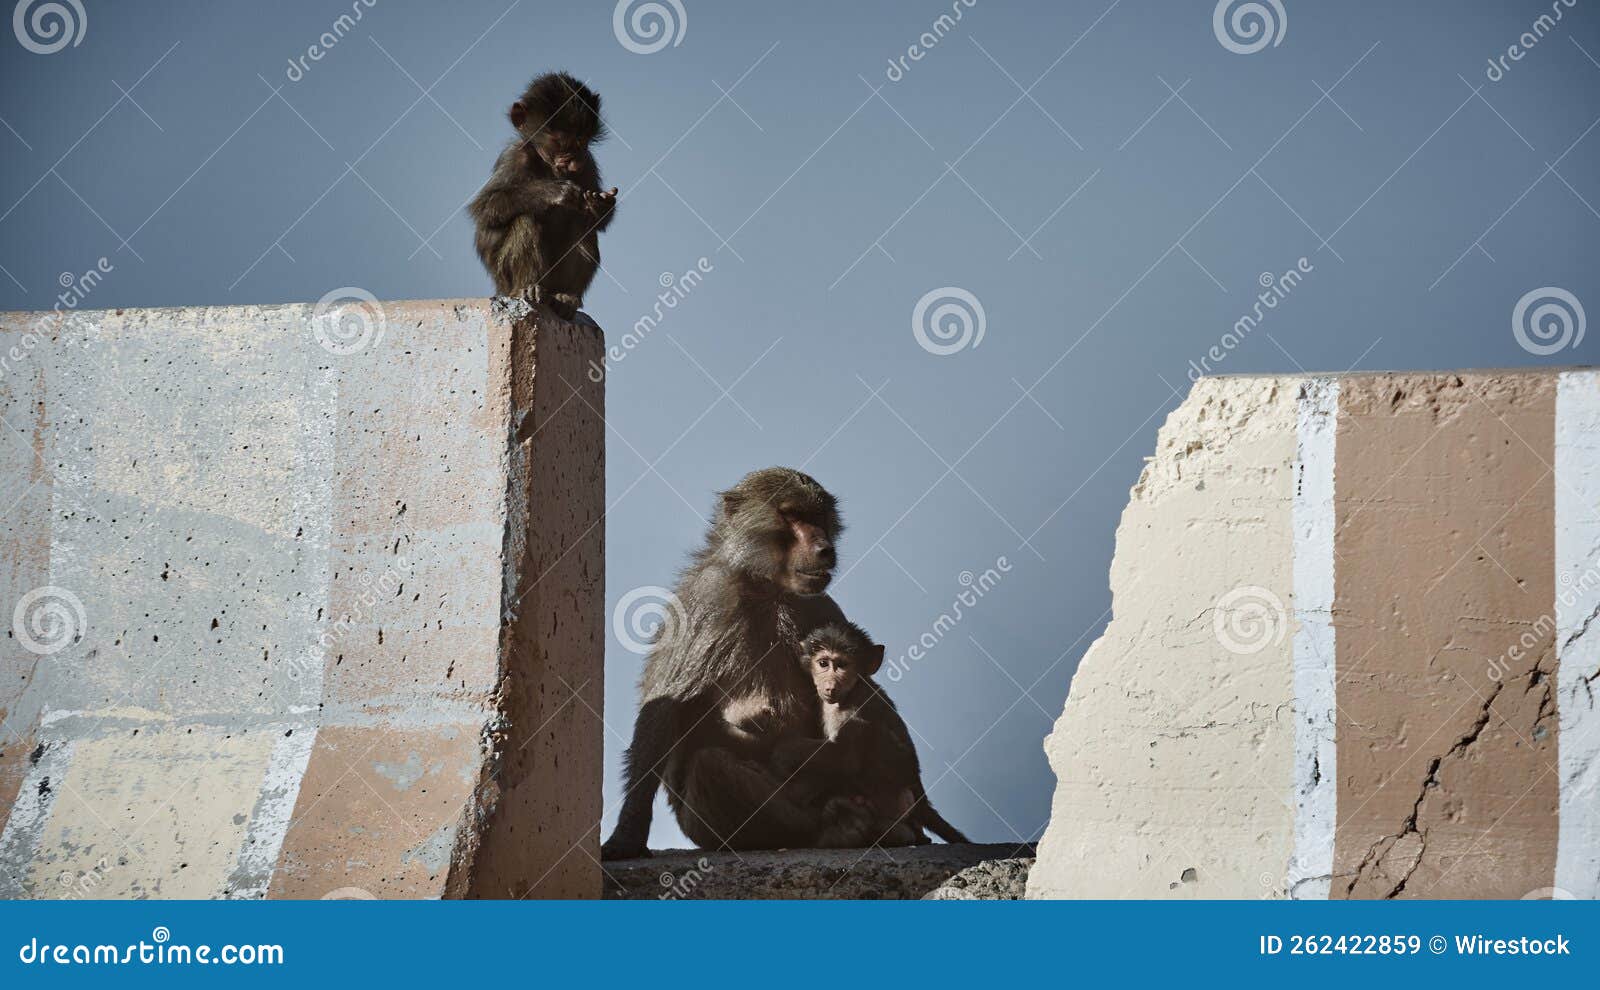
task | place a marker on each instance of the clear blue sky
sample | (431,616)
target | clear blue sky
(827,200)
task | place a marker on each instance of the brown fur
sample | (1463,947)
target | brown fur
(722,682)
(538,218)
(867,748)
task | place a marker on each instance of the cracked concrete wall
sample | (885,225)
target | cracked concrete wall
(293,614)
(1350,652)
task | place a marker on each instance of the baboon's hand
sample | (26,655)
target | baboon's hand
(600,202)
(572,196)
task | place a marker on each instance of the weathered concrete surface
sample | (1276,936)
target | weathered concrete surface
(991,880)
(802,874)
(300,602)
(1174,754)
(1350,653)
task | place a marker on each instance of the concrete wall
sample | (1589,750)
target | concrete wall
(1350,653)
(936,871)
(301,602)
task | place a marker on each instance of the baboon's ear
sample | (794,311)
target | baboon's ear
(518,115)
(731,500)
(874,659)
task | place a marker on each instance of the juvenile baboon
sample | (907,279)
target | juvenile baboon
(868,749)
(723,681)
(539,216)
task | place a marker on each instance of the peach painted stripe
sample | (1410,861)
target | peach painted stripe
(1577,463)
(1446,532)
(1315,754)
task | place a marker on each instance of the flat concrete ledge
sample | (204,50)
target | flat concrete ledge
(906,873)
(302,601)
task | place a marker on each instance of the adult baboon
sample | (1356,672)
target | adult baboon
(724,679)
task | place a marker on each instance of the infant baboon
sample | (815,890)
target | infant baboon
(539,216)
(867,749)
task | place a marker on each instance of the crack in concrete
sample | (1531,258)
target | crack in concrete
(1579,632)
(1379,850)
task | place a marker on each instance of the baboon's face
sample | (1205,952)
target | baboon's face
(560,118)
(564,151)
(780,527)
(835,674)
(810,557)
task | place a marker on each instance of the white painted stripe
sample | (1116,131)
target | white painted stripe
(301,698)
(1577,463)
(1315,782)
(269,822)
(19,843)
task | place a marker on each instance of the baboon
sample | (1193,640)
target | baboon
(539,216)
(868,749)
(723,680)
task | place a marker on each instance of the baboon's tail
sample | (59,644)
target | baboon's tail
(935,823)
